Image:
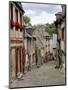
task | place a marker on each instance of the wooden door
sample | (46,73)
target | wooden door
(16,60)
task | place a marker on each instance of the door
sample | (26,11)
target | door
(16,52)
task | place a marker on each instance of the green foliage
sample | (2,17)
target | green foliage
(26,19)
(50,28)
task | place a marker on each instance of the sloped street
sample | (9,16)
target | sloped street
(45,75)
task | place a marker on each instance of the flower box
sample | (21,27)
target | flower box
(17,25)
(12,23)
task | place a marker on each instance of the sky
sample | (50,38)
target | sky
(41,13)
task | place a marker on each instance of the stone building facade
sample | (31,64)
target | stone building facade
(39,45)
(33,47)
(54,38)
(46,42)
(16,38)
(29,41)
(61,30)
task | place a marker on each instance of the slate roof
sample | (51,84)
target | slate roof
(20,6)
(28,32)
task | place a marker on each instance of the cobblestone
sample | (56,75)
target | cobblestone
(45,75)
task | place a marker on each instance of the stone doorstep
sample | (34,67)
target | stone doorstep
(19,75)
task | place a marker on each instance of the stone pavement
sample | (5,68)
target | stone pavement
(45,75)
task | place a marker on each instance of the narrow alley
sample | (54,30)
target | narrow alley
(37,45)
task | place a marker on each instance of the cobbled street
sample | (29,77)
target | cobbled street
(45,75)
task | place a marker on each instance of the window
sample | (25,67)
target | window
(11,16)
(21,21)
(63,34)
(20,18)
(11,7)
(16,11)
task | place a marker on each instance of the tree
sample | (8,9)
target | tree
(50,28)
(26,19)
